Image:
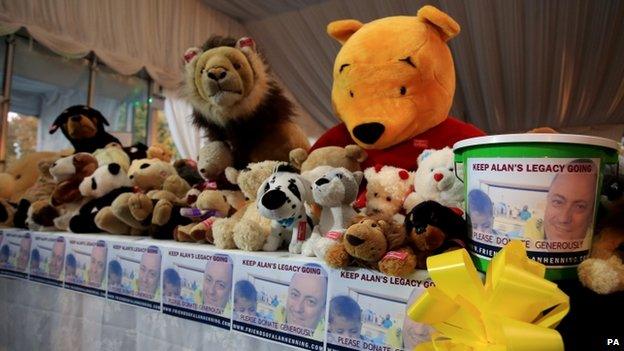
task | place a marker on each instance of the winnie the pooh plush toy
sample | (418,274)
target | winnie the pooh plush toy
(393,88)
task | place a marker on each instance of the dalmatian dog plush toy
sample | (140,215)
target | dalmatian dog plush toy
(335,191)
(281,198)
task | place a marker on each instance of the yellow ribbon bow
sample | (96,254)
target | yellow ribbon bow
(515,310)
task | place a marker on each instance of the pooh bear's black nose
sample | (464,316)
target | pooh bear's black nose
(273,199)
(369,133)
(321,181)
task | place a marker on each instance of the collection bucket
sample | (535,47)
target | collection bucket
(542,189)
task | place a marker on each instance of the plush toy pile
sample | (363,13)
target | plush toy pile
(355,198)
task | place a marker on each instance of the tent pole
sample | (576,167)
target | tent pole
(91,87)
(5,103)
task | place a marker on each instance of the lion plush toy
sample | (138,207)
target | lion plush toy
(393,88)
(237,102)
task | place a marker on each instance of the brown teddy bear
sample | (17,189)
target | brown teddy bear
(237,102)
(21,175)
(603,271)
(246,229)
(210,205)
(368,242)
(153,208)
(160,151)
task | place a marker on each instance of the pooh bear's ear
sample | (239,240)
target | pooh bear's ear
(342,30)
(447,26)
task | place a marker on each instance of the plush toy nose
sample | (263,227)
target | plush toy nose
(438,177)
(217,73)
(273,199)
(321,181)
(369,133)
(354,240)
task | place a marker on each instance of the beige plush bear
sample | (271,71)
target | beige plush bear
(246,229)
(210,205)
(386,190)
(320,161)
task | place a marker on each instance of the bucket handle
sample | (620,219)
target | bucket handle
(457,175)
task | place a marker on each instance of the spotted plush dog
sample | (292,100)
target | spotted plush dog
(282,199)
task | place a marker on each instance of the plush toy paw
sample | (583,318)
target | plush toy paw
(307,249)
(7,211)
(223,233)
(602,276)
(399,263)
(140,206)
(106,220)
(272,243)
(295,247)
(322,246)
(249,236)
(337,256)
(162,212)
(182,233)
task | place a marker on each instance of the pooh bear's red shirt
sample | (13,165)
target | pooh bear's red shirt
(404,154)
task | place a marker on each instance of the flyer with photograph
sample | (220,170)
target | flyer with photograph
(548,203)
(47,256)
(85,265)
(134,273)
(281,300)
(15,253)
(197,285)
(367,311)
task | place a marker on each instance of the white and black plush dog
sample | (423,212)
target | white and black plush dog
(282,199)
(335,191)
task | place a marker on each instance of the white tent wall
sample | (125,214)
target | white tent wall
(519,64)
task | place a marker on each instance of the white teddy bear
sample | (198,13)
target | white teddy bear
(435,180)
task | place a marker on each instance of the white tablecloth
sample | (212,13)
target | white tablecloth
(34,316)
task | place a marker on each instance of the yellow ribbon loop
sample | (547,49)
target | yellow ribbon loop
(515,310)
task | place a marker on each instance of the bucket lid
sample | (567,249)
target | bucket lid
(538,138)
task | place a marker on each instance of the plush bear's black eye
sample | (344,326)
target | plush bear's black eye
(93,184)
(374,225)
(339,176)
(18,176)
(403,90)
(350,93)
(144,166)
(388,198)
(421,229)
(376,195)
(431,169)
(451,169)
(237,66)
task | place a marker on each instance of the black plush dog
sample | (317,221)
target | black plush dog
(434,228)
(83,126)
